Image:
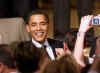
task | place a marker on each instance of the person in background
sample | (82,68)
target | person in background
(79,45)
(96,64)
(64,64)
(70,39)
(7,61)
(30,59)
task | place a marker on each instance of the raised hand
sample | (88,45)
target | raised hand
(85,23)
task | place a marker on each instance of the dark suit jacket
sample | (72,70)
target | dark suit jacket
(54,44)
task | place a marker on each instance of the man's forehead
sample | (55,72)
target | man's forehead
(38,17)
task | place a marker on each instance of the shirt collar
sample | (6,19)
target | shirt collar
(46,43)
(39,45)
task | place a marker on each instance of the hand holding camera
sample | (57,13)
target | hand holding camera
(85,23)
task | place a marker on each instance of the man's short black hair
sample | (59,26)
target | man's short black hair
(34,12)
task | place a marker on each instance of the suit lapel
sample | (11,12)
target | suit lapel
(52,44)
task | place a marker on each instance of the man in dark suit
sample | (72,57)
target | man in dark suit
(37,23)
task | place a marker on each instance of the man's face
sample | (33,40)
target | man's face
(38,27)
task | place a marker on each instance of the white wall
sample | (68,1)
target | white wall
(12,29)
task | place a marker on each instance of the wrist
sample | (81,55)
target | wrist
(83,31)
(80,33)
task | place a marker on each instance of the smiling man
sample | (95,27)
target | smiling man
(37,25)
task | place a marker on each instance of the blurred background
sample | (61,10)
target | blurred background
(18,8)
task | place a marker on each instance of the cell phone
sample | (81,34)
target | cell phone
(95,21)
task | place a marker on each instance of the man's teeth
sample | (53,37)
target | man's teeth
(39,33)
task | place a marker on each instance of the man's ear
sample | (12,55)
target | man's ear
(27,28)
(65,45)
(66,49)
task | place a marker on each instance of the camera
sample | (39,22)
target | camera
(95,21)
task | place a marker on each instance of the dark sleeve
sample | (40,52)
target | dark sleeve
(55,43)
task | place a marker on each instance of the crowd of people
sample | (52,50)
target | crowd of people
(45,55)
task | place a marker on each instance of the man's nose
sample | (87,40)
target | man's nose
(38,27)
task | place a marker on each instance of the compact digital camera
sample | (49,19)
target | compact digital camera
(95,21)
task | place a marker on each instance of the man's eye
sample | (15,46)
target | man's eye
(33,24)
(44,23)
